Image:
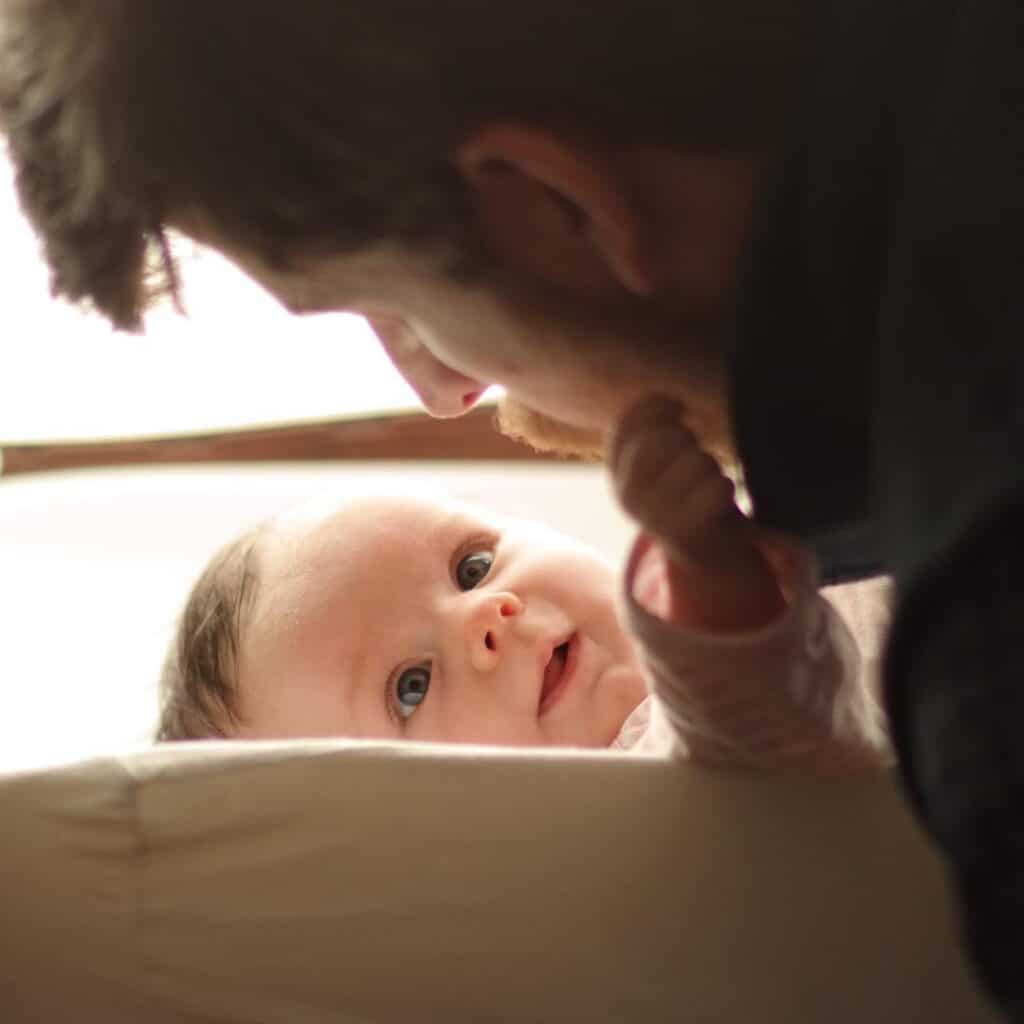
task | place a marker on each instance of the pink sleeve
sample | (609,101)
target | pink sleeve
(789,694)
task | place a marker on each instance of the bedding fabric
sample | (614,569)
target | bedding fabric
(347,881)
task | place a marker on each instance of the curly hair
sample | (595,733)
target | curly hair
(199,682)
(319,123)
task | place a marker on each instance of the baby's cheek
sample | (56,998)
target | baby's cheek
(623,689)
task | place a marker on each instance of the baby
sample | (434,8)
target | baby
(404,618)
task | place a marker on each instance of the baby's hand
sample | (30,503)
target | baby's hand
(719,578)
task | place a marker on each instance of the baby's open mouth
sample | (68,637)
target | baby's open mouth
(558,672)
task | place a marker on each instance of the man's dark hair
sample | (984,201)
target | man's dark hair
(332,124)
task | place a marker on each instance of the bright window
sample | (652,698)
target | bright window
(239,358)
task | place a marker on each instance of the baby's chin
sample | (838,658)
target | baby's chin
(621,692)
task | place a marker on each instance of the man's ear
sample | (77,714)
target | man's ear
(555,208)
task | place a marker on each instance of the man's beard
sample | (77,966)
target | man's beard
(648,343)
(546,434)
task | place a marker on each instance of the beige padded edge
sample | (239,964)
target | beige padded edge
(360,882)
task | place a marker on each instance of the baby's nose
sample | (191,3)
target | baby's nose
(487,628)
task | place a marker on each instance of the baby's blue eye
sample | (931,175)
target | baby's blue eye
(472,569)
(411,689)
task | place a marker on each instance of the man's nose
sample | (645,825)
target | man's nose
(486,627)
(444,392)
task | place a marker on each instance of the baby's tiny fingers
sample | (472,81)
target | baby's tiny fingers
(641,462)
(689,496)
(647,440)
(702,521)
(656,413)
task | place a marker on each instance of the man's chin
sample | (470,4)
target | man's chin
(546,434)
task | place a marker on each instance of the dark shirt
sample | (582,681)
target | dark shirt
(878,394)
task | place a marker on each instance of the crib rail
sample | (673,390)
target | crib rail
(399,436)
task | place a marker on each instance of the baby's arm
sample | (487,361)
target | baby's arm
(751,666)
(719,577)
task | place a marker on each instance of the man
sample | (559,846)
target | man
(800,218)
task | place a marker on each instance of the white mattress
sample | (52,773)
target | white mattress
(356,883)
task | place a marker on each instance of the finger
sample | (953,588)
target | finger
(647,440)
(653,471)
(655,412)
(693,510)
(706,527)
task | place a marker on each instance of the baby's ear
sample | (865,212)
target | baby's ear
(554,208)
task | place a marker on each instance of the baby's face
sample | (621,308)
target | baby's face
(413,620)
